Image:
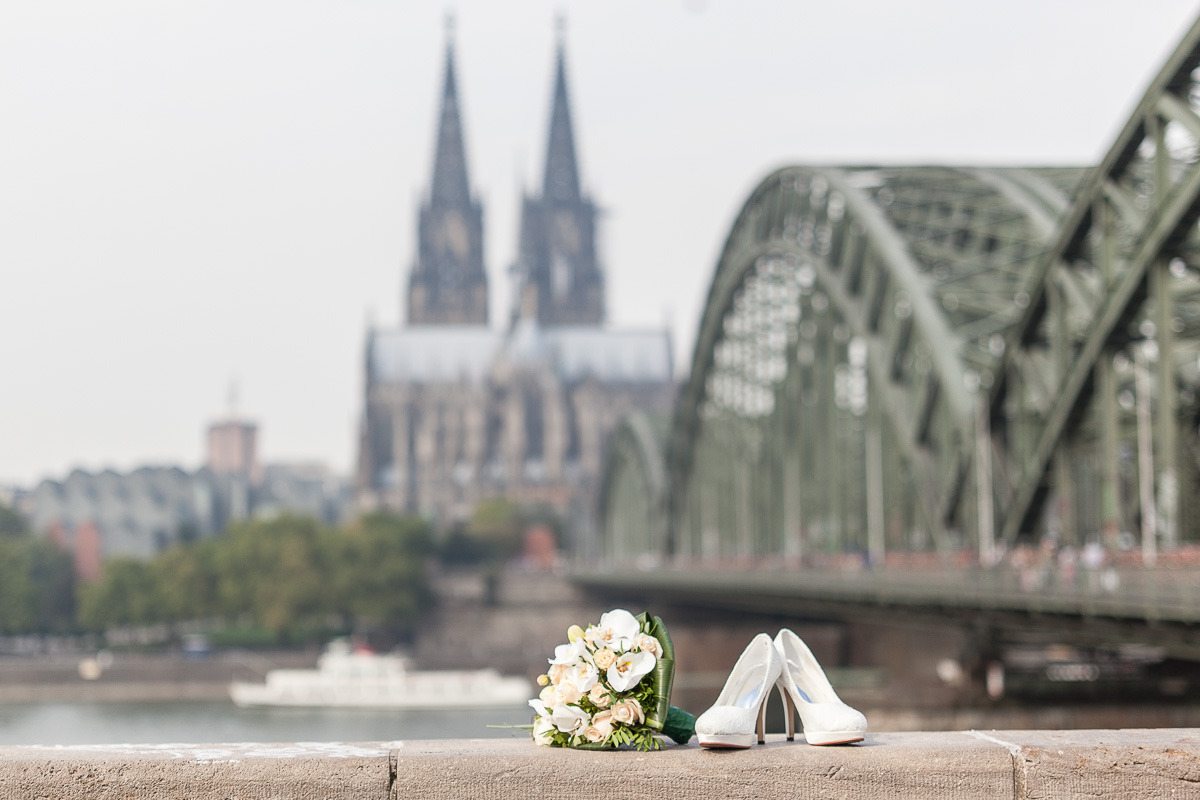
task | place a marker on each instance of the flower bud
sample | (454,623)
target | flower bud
(574,633)
(542,680)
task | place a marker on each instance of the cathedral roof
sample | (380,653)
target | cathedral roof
(610,355)
(577,352)
(433,353)
(448,353)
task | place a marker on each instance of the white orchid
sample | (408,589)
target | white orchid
(629,669)
(539,707)
(570,719)
(570,654)
(616,631)
(582,676)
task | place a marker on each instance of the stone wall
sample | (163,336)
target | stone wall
(1006,765)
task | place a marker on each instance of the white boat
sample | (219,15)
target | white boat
(347,678)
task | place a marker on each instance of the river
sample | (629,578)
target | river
(167,723)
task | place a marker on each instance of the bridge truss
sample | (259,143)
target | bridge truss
(907,359)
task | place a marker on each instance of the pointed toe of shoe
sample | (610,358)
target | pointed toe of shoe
(833,723)
(727,727)
(726,721)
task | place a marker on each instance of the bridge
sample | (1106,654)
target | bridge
(913,384)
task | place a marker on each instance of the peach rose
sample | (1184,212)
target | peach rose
(628,712)
(604,658)
(566,693)
(601,727)
(600,696)
(647,643)
(547,695)
(558,672)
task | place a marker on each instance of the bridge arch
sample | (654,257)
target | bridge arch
(838,357)
(953,358)
(1110,339)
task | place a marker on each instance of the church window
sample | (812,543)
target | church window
(535,439)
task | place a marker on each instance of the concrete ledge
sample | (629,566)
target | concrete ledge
(974,764)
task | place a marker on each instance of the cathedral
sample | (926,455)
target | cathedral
(458,410)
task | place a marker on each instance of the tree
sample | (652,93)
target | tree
(492,535)
(380,577)
(37,581)
(285,574)
(126,595)
(12,525)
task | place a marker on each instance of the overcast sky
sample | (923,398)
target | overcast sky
(198,191)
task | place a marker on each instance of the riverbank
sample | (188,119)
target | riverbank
(137,677)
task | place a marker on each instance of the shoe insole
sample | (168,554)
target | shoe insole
(751,697)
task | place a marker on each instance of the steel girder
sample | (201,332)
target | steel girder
(909,357)
(1102,364)
(855,318)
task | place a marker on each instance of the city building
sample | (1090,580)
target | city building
(138,514)
(456,411)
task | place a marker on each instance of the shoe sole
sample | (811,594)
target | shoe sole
(821,738)
(728,742)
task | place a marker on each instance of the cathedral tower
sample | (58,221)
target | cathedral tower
(559,279)
(448,285)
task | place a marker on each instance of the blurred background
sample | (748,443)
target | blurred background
(435,330)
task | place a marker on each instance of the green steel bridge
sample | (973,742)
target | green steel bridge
(944,372)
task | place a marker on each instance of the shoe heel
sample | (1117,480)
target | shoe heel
(762,720)
(789,714)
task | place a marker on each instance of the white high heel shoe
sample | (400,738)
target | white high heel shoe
(806,691)
(740,710)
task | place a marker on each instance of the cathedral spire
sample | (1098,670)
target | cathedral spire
(562,168)
(561,279)
(450,183)
(448,285)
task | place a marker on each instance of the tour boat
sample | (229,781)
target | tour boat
(349,678)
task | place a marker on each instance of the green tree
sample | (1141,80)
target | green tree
(37,580)
(284,574)
(126,595)
(492,535)
(186,582)
(11,523)
(380,577)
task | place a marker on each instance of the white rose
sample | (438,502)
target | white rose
(543,727)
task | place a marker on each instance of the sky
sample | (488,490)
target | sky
(196,195)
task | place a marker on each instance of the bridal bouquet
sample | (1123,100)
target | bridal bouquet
(610,686)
